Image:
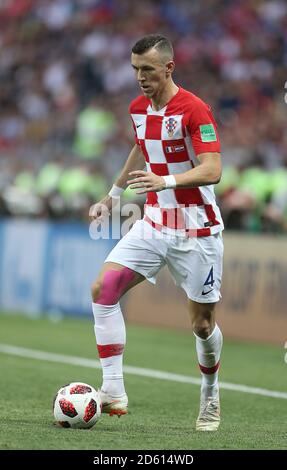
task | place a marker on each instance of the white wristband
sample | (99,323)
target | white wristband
(116,191)
(170,182)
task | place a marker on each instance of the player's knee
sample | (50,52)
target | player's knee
(203,325)
(96,290)
(202,318)
(114,283)
(203,331)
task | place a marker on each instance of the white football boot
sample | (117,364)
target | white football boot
(209,414)
(114,405)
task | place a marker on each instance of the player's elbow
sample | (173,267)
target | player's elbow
(211,165)
(211,171)
(215,176)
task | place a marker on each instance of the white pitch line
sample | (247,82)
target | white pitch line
(155,374)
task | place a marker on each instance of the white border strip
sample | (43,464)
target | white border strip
(155,374)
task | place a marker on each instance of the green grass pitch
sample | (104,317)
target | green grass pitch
(162,413)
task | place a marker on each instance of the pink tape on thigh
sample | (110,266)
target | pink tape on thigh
(113,285)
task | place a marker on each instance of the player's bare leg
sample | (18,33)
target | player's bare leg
(113,281)
(208,347)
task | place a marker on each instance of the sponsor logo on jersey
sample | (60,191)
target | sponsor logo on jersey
(210,223)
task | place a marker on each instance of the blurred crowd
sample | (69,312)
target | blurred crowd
(66,83)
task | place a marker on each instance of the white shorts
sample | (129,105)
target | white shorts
(194,263)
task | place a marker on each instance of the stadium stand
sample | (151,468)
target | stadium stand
(66,82)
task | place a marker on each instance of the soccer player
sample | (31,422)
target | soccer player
(176,140)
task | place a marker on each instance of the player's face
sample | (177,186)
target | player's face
(151,71)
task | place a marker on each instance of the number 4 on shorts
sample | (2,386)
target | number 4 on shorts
(209,280)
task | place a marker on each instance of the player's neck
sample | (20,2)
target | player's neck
(161,100)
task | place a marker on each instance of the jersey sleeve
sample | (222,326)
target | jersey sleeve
(203,129)
(134,127)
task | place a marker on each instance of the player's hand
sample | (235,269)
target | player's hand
(102,209)
(147,182)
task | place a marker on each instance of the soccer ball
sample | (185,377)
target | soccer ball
(77,405)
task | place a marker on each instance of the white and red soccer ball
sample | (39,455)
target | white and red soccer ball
(77,405)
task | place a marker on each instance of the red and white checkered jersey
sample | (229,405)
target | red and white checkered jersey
(170,139)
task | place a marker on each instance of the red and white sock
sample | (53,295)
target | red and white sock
(208,353)
(110,334)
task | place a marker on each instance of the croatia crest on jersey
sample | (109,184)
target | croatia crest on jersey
(170,125)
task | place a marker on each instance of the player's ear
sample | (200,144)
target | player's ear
(170,66)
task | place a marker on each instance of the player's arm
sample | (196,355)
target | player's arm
(207,172)
(134,161)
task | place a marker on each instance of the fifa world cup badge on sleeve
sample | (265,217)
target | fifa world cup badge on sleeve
(207,133)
